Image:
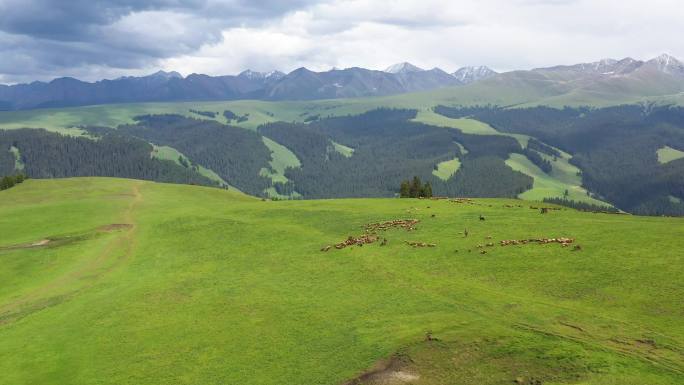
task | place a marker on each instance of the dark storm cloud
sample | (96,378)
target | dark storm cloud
(46,38)
(71,19)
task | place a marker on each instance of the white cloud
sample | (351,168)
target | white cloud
(270,34)
(501,33)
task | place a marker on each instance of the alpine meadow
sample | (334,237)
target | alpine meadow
(485,216)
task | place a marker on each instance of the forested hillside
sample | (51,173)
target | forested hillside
(49,155)
(584,154)
(235,154)
(616,148)
(388,148)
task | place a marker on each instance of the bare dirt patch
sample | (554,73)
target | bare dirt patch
(476,362)
(114,227)
(646,343)
(42,242)
(392,371)
(571,326)
(30,245)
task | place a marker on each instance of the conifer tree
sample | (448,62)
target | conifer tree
(405,189)
(416,187)
(427,190)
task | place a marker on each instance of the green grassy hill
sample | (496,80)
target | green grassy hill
(562,178)
(114,281)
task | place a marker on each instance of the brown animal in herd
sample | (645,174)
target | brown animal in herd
(563,241)
(420,244)
(360,241)
(462,200)
(407,224)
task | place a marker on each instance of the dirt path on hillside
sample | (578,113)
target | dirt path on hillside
(116,252)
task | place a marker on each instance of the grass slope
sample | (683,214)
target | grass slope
(447,169)
(226,289)
(170,153)
(467,126)
(344,150)
(667,154)
(551,185)
(281,159)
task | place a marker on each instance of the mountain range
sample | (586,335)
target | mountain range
(663,75)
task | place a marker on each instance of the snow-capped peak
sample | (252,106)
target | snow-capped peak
(275,75)
(249,74)
(403,68)
(607,62)
(608,67)
(165,75)
(666,59)
(254,75)
(668,64)
(467,75)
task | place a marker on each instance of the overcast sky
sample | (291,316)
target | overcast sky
(94,39)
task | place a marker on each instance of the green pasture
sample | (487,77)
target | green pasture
(114,281)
